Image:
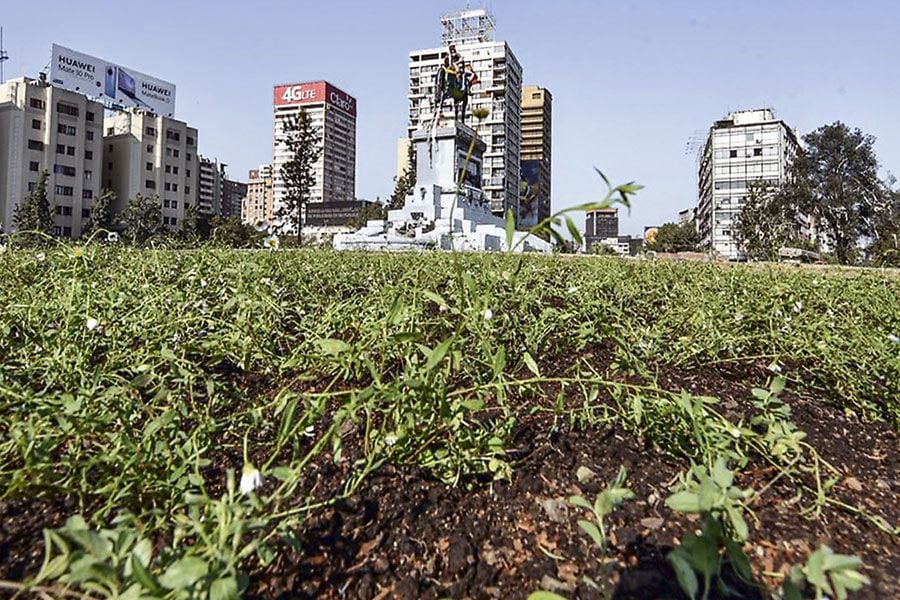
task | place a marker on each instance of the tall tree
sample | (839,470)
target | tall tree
(101,211)
(303,142)
(767,222)
(405,183)
(33,214)
(834,179)
(141,219)
(673,237)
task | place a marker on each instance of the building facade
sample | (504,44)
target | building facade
(599,225)
(233,195)
(210,186)
(152,156)
(333,115)
(259,203)
(499,90)
(743,148)
(45,128)
(537,120)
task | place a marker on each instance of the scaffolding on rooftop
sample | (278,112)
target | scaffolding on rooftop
(467,27)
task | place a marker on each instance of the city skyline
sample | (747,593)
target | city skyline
(632,84)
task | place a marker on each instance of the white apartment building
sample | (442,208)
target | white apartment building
(151,155)
(499,90)
(259,203)
(210,186)
(333,114)
(45,128)
(744,147)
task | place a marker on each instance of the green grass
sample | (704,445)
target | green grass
(198,354)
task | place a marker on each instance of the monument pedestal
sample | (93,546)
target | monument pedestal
(437,215)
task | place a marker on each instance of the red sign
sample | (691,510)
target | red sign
(315,93)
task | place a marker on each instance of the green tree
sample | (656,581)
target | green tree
(232,233)
(834,179)
(303,142)
(33,214)
(142,219)
(405,183)
(101,212)
(191,223)
(368,212)
(673,237)
(766,223)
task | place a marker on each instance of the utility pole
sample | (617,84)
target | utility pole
(3,55)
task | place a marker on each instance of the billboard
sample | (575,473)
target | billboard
(314,93)
(109,83)
(650,234)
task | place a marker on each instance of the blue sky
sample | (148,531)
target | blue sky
(632,82)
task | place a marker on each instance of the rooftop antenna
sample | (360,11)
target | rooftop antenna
(4,56)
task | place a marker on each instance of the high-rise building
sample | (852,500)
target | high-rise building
(333,115)
(499,90)
(599,225)
(259,202)
(210,186)
(233,195)
(743,148)
(404,148)
(688,215)
(152,156)
(45,128)
(537,119)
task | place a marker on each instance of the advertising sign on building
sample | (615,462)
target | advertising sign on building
(315,93)
(530,190)
(109,83)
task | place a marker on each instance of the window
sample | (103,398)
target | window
(60,148)
(187,172)
(88,175)
(168,152)
(85,213)
(150,131)
(190,141)
(88,155)
(36,103)
(166,203)
(32,186)
(67,211)
(87,194)
(109,166)
(110,148)
(174,187)
(757,152)
(67,231)
(187,190)
(149,166)
(65,129)
(89,135)
(67,109)
(150,148)
(35,145)
(168,187)
(65,190)
(34,166)
(175,153)
(64,170)
(175,170)
(89,116)
(168,169)
(57,230)
(732,154)
(173,135)
(70,150)
(35,124)
(110,131)
(150,184)
(188,157)
(173,221)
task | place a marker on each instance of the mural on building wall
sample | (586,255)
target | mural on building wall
(530,189)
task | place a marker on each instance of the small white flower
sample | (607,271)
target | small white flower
(310,431)
(894,339)
(112,237)
(488,314)
(250,479)
(260,225)
(92,324)
(815,283)
(266,281)
(2,249)
(798,306)
(390,440)
(271,243)
(775,368)
(40,256)
(735,433)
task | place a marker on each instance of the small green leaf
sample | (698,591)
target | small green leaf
(687,579)
(438,354)
(686,502)
(739,561)
(224,589)
(510,228)
(143,576)
(545,596)
(333,347)
(531,364)
(593,531)
(573,231)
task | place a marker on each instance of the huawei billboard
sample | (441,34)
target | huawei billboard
(315,93)
(109,83)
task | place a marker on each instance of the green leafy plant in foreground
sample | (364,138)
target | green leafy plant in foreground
(825,573)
